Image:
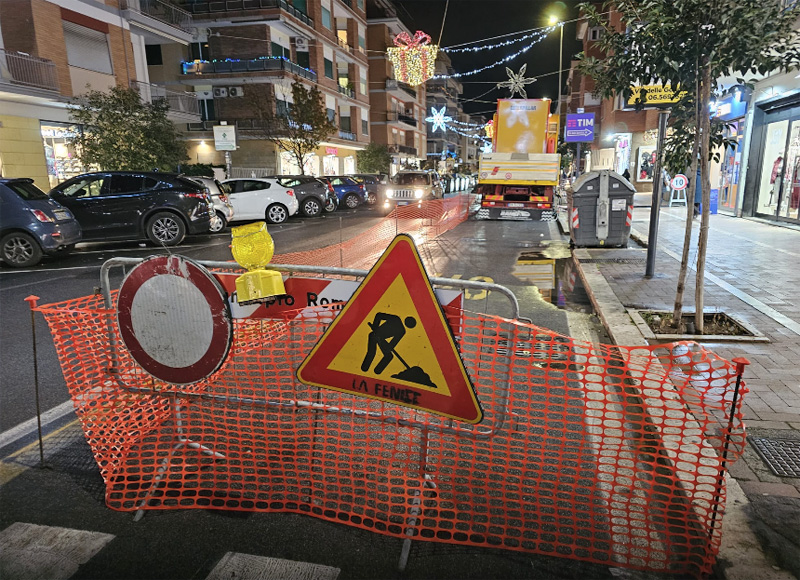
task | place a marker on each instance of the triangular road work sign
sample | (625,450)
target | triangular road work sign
(392,342)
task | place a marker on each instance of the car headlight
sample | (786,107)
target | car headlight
(389,193)
(419,193)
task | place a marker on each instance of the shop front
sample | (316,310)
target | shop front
(773,190)
(731,109)
(60,155)
(326,160)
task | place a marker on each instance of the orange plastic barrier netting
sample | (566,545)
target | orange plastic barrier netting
(424,222)
(610,455)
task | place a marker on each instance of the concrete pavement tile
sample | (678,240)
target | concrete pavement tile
(788,417)
(742,472)
(795,426)
(766,425)
(779,489)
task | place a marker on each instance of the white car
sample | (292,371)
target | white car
(222,206)
(261,199)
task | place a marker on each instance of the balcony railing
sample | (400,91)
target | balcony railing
(401,117)
(393,85)
(343,44)
(395,148)
(19,68)
(347,91)
(163,11)
(270,63)
(178,102)
(347,135)
(215,6)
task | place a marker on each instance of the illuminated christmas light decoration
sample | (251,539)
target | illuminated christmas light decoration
(486,147)
(489,128)
(439,119)
(464,124)
(516,81)
(537,35)
(413,57)
(503,60)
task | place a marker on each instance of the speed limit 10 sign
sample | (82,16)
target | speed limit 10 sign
(679,182)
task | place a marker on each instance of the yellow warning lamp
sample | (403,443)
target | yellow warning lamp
(252,248)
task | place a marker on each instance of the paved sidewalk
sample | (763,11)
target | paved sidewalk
(752,273)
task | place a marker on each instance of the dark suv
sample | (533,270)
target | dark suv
(32,224)
(313,195)
(124,205)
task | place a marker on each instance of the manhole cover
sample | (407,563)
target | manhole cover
(781,455)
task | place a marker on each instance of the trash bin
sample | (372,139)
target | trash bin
(601,209)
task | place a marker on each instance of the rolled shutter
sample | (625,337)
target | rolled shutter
(87,48)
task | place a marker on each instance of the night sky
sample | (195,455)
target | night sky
(471,20)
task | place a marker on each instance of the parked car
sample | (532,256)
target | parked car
(407,187)
(371,182)
(261,198)
(32,224)
(351,194)
(223,208)
(313,195)
(123,205)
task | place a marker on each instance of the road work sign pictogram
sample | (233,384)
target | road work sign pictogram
(392,342)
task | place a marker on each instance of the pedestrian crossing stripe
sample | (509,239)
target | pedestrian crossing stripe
(392,342)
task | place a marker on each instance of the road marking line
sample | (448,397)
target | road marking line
(249,567)
(29,426)
(32,551)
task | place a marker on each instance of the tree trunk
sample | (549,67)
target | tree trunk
(702,241)
(677,312)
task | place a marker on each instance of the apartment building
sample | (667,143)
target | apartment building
(444,145)
(623,139)
(248,51)
(397,110)
(52,51)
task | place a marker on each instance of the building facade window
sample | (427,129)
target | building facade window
(303,59)
(360,4)
(87,48)
(326,18)
(364,127)
(328,68)
(278,50)
(152,53)
(331,115)
(199,50)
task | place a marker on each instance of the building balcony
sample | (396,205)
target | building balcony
(400,89)
(347,91)
(182,106)
(347,135)
(344,46)
(214,7)
(403,149)
(21,70)
(237,66)
(159,18)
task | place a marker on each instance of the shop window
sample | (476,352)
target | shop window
(87,48)
(326,18)
(153,55)
(60,154)
(328,68)
(773,168)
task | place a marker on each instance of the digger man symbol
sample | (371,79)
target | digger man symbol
(387,330)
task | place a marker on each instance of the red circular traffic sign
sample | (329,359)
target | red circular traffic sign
(174,319)
(679,182)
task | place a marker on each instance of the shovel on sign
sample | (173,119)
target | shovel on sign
(411,374)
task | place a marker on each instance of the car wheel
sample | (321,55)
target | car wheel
(219,224)
(351,200)
(20,250)
(165,229)
(331,205)
(372,198)
(276,214)
(312,207)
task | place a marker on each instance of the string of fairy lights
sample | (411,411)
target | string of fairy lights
(537,36)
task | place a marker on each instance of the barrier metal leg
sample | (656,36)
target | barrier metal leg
(416,510)
(183,441)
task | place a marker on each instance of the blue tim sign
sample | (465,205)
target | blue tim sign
(579,128)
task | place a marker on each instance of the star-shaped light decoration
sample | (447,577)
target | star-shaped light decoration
(487,147)
(438,118)
(516,82)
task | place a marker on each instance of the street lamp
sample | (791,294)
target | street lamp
(553,21)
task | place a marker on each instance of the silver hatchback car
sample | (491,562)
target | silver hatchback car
(223,208)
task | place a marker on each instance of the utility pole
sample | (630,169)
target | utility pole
(655,207)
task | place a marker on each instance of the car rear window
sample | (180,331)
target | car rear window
(26,190)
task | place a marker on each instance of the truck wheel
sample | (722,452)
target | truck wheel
(312,207)
(276,214)
(165,229)
(20,250)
